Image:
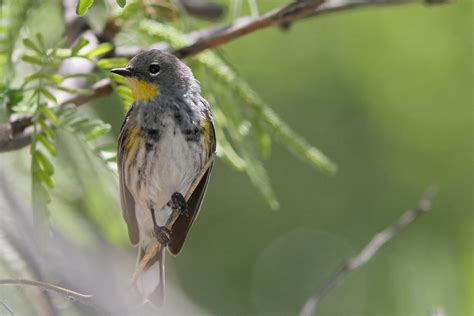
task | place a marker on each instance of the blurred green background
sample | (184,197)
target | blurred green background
(387,93)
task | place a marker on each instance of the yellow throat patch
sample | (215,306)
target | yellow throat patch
(142,91)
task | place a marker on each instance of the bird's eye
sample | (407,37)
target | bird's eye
(154,69)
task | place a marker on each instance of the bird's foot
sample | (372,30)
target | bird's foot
(178,203)
(162,234)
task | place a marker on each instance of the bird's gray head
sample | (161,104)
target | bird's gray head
(155,72)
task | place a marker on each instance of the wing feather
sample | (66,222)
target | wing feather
(126,198)
(183,224)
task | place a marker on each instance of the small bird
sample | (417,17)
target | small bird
(165,155)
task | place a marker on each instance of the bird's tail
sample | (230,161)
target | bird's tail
(150,284)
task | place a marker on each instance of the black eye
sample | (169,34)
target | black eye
(154,69)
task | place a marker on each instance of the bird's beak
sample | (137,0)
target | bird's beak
(125,72)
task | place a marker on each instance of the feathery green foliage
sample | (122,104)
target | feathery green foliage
(84,5)
(245,124)
(249,122)
(47,114)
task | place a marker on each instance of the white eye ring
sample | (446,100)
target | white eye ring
(154,69)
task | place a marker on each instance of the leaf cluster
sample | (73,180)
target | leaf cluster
(245,124)
(37,97)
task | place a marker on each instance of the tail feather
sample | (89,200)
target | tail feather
(150,284)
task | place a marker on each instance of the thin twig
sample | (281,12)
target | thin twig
(12,138)
(46,286)
(8,309)
(380,239)
(287,14)
(16,134)
(216,36)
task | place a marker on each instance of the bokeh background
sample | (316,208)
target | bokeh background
(387,93)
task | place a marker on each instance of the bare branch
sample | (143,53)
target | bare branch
(216,36)
(287,14)
(46,286)
(380,239)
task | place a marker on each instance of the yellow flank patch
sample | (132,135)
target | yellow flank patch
(133,141)
(142,91)
(206,130)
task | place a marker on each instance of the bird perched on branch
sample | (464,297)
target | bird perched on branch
(165,154)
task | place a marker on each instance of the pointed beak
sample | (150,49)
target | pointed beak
(125,72)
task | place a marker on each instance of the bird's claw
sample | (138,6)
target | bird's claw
(162,234)
(178,202)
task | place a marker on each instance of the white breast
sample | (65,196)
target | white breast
(170,167)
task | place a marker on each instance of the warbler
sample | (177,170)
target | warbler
(165,155)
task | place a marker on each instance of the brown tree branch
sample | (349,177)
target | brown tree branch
(286,14)
(15,134)
(379,240)
(216,36)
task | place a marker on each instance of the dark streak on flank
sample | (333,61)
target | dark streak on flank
(152,136)
(191,133)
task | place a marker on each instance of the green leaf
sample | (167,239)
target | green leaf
(62,53)
(101,49)
(47,144)
(276,126)
(35,165)
(264,140)
(55,78)
(226,151)
(35,60)
(257,174)
(13,97)
(117,79)
(125,94)
(78,123)
(40,40)
(97,131)
(39,171)
(49,114)
(107,63)
(43,177)
(41,190)
(46,165)
(31,45)
(81,43)
(74,91)
(83,6)
(224,147)
(121,3)
(48,131)
(45,92)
